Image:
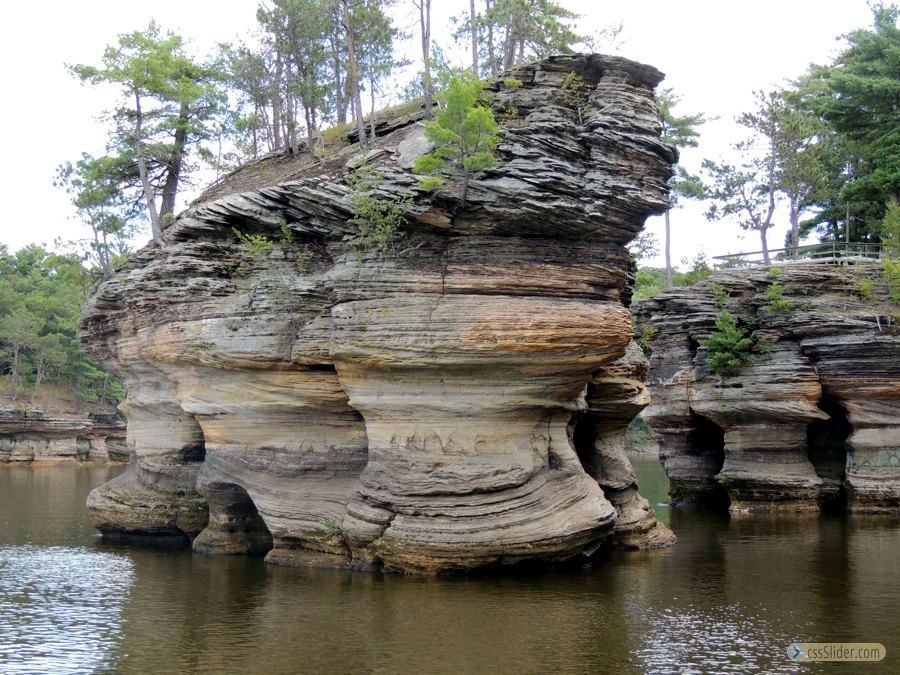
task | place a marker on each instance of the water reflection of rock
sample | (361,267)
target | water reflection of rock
(728,598)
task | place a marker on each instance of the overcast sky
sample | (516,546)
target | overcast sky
(715,53)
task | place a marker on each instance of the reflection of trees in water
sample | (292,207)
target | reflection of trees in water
(44,505)
(873,583)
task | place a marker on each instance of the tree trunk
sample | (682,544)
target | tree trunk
(106,263)
(291,123)
(354,76)
(149,197)
(472,16)
(15,375)
(847,227)
(277,103)
(39,375)
(425,27)
(309,117)
(256,116)
(465,190)
(173,168)
(795,225)
(669,283)
(345,103)
(509,49)
(490,28)
(267,127)
(339,106)
(372,110)
(102,251)
(771,210)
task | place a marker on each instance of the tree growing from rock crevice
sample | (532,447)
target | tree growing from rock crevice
(465,135)
(728,347)
(520,29)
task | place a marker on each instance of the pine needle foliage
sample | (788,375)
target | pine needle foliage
(465,135)
(728,347)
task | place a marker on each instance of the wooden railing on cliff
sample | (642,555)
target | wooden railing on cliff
(831,252)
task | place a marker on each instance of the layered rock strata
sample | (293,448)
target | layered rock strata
(412,408)
(811,420)
(35,436)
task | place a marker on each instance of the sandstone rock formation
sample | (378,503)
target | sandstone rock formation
(33,435)
(812,420)
(430,408)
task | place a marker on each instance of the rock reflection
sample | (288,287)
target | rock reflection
(728,598)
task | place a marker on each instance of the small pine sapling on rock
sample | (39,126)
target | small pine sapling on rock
(465,135)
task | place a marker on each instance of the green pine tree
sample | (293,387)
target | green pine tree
(465,135)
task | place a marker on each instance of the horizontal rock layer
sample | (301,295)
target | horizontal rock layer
(32,435)
(413,409)
(812,419)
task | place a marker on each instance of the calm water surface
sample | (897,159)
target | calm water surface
(728,598)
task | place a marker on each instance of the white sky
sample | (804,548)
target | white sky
(715,53)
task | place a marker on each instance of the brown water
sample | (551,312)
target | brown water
(728,598)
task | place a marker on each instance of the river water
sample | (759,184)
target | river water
(729,598)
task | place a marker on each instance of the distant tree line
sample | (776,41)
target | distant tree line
(825,150)
(827,147)
(40,297)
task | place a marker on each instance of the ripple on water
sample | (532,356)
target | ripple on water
(718,640)
(60,608)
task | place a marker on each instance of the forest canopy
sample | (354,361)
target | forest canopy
(40,297)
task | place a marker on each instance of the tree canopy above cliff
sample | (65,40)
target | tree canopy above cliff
(828,145)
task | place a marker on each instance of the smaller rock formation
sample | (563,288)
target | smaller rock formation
(36,436)
(812,419)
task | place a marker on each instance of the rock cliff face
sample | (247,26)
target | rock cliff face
(454,403)
(812,420)
(32,435)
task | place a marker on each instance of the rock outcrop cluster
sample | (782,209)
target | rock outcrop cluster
(34,436)
(456,402)
(811,420)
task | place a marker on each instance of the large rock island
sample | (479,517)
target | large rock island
(455,402)
(811,419)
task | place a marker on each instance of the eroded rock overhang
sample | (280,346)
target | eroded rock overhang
(454,403)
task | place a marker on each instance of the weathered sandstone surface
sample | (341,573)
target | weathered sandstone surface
(812,420)
(454,403)
(33,435)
